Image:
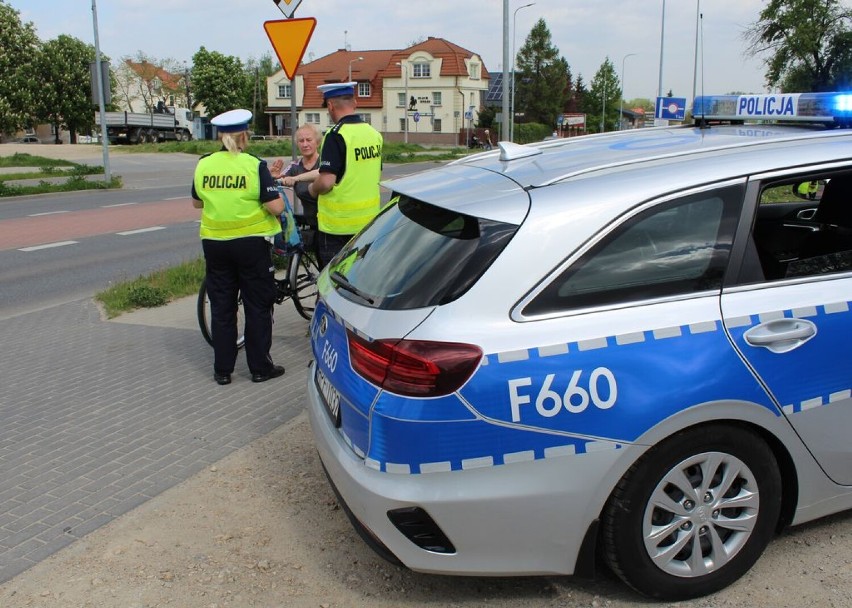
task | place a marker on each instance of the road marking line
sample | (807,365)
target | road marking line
(48,246)
(118,205)
(47,213)
(176,198)
(141,230)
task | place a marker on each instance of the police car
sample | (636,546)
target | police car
(633,345)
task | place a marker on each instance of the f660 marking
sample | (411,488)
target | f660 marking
(574,399)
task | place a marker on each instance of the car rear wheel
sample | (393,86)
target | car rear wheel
(693,514)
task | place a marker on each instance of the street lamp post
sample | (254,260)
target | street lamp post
(351,61)
(514,38)
(101,102)
(621,105)
(402,65)
(186,82)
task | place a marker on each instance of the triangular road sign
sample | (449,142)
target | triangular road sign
(291,5)
(289,38)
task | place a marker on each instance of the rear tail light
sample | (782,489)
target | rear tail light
(414,368)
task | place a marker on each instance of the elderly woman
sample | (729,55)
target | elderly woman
(239,206)
(300,174)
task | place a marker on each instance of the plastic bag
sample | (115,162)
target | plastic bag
(289,237)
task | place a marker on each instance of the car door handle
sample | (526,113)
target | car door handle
(781,335)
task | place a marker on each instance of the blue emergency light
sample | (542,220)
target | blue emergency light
(834,108)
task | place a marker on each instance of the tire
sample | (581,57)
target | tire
(141,136)
(204,315)
(303,273)
(714,490)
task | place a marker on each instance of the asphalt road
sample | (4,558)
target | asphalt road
(57,248)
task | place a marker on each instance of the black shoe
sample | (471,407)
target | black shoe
(222,379)
(275,372)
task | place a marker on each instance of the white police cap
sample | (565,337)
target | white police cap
(337,89)
(232,121)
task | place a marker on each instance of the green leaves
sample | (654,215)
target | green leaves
(806,43)
(18,89)
(65,93)
(220,82)
(541,85)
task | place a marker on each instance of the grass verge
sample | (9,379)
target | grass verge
(74,174)
(391,152)
(153,290)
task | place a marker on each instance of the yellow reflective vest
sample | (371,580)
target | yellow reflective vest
(229,186)
(354,200)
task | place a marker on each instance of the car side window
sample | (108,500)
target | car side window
(804,228)
(678,247)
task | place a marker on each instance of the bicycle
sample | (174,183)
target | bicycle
(295,277)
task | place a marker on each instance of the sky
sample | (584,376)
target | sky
(585,32)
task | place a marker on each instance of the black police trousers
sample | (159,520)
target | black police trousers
(240,268)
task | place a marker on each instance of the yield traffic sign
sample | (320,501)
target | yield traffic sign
(289,38)
(291,5)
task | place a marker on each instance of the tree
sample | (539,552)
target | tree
(144,81)
(65,93)
(542,77)
(604,96)
(19,83)
(808,41)
(220,82)
(258,71)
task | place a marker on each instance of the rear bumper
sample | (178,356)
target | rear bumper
(518,519)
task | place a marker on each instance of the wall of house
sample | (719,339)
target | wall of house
(444,104)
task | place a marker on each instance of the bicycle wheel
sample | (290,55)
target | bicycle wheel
(204,315)
(303,275)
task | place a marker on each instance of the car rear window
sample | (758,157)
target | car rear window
(679,247)
(415,255)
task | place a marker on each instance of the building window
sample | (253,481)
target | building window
(363,89)
(284,91)
(312,118)
(475,71)
(421,70)
(436,125)
(365,118)
(401,125)
(400,100)
(436,98)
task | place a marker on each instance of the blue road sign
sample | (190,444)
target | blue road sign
(671,108)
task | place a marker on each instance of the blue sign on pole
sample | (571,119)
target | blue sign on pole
(417,117)
(671,108)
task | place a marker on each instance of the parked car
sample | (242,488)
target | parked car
(29,139)
(633,345)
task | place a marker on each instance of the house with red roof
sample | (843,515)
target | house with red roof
(429,93)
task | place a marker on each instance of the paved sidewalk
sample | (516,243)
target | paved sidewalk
(100,416)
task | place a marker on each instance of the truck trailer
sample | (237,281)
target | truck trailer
(164,123)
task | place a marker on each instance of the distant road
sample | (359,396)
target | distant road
(57,248)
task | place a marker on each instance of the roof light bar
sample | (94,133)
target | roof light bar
(833,108)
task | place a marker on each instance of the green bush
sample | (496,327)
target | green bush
(146,296)
(531,131)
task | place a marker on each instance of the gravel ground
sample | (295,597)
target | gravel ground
(262,528)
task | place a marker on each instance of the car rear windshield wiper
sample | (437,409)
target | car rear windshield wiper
(344,284)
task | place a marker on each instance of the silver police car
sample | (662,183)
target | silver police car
(634,345)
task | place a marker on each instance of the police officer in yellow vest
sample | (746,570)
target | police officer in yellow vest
(239,206)
(349,172)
